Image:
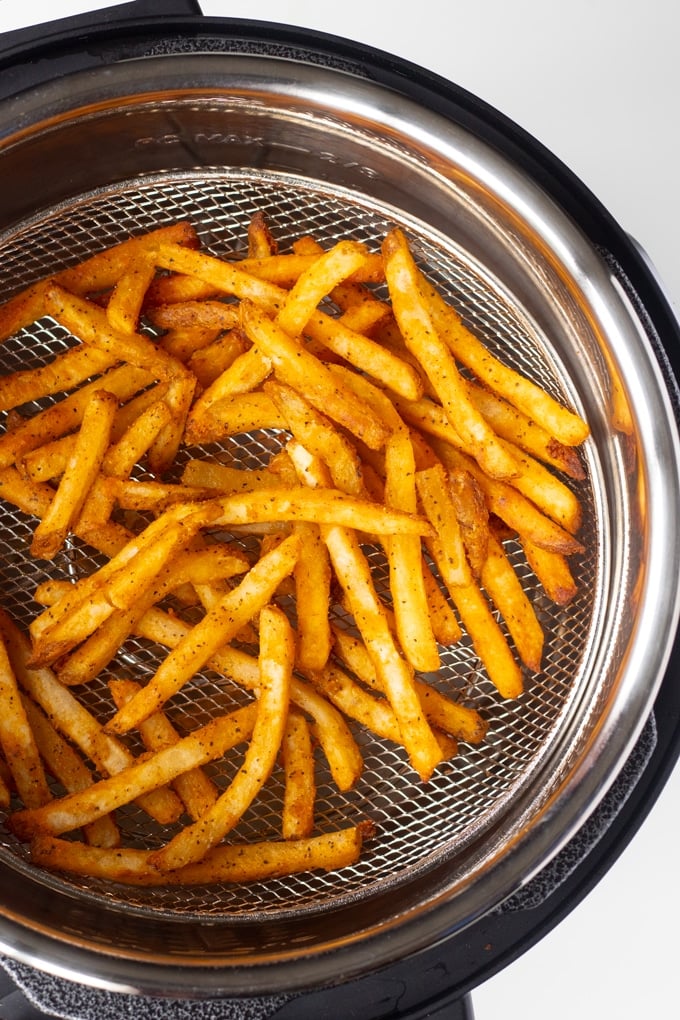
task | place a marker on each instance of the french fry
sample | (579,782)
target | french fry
(70,770)
(506,592)
(142,777)
(17,739)
(124,306)
(553,571)
(332,733)
(311,428)
(312,576)
(74,721)
(325,506)
(68,370)
(444,712)
(565,425)
(488,640)
(276,658)
(446,544)
(301,370)
(223,621)
(66,415)
(236,862)
(79,475)
(297,815)
(423,341)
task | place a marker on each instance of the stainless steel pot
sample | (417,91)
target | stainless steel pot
(209,120)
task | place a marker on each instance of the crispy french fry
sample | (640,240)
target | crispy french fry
(125,303)
(488,640)
(312,576)
(506,592)
(70,770)
(444,712)
(325,506)
(565,425)
(237,862)
(218,626)
(297,816)
(276,658)
(446,544)
(423,341)
(74,721)
(79,475)
(332,733)
(311,428)
(142,777)
(301,370)
(66,371)
(17,739)
(553,571)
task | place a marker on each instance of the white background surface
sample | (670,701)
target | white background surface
(597,81)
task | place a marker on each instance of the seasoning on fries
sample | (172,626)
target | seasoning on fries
(392,428)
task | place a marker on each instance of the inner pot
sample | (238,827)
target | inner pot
(212,137)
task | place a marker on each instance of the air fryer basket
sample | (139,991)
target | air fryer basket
(212,138)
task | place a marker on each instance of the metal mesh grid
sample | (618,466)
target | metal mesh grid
(414,820)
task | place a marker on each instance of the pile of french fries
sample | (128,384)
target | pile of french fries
(393,429)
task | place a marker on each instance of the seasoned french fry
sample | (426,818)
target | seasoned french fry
(297,816)
(237,862)
(139,778)
(312,576)
(79,475)
(432,353)
(506,592)
(70,770)
(65,372)
(74,721)
(301,370)
(220,624)
(17,739)
(276,658)
(565,425)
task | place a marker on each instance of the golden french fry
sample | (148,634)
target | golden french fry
(246,413)
(236,862)
(325,506)
(312,576)
(333,735)
(518,512)
(505,590)
(447,714)
(208,474)
(488,640)
(125,303)
(311,428)
(90,324)
(297,816)
(219,625)
(152,772)
(553,571)
(66,415)
(473,517)
(396,676)
(423,341)
(70,770)
(79,475)
(101,271)
(74,721)
(17,739)
(66,371)
(276,659)
(446,544)
(261,241)
(565,425)
(136,440)
(208,363)
(301,370)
